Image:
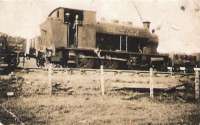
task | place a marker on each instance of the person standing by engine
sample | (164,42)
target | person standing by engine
(75,28)
(67,21)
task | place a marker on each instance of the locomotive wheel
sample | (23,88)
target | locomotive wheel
(114,65)
(90,63)
(164,68)
(108,64)
(81,63)
(85,63)
(97,63)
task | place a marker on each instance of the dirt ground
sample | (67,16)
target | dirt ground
(77,100)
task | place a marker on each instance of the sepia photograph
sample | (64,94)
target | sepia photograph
(99,62)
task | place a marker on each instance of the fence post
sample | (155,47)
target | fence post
(197,84)
(102,80)
(171,70)
(50,78)
(151,82)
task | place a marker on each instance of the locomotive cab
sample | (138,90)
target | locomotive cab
(69,28)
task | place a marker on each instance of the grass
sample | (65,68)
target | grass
(78,101)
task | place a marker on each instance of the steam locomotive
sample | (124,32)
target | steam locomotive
(74,38)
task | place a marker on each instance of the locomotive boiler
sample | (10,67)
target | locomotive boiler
(74,38)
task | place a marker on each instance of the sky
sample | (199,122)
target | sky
(178,30)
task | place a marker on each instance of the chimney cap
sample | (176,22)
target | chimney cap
(146,24)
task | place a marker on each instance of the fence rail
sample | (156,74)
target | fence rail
(106,70)
(151,74)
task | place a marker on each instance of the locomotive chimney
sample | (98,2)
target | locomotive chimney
(146,24)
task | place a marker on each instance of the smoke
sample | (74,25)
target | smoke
(178,29)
